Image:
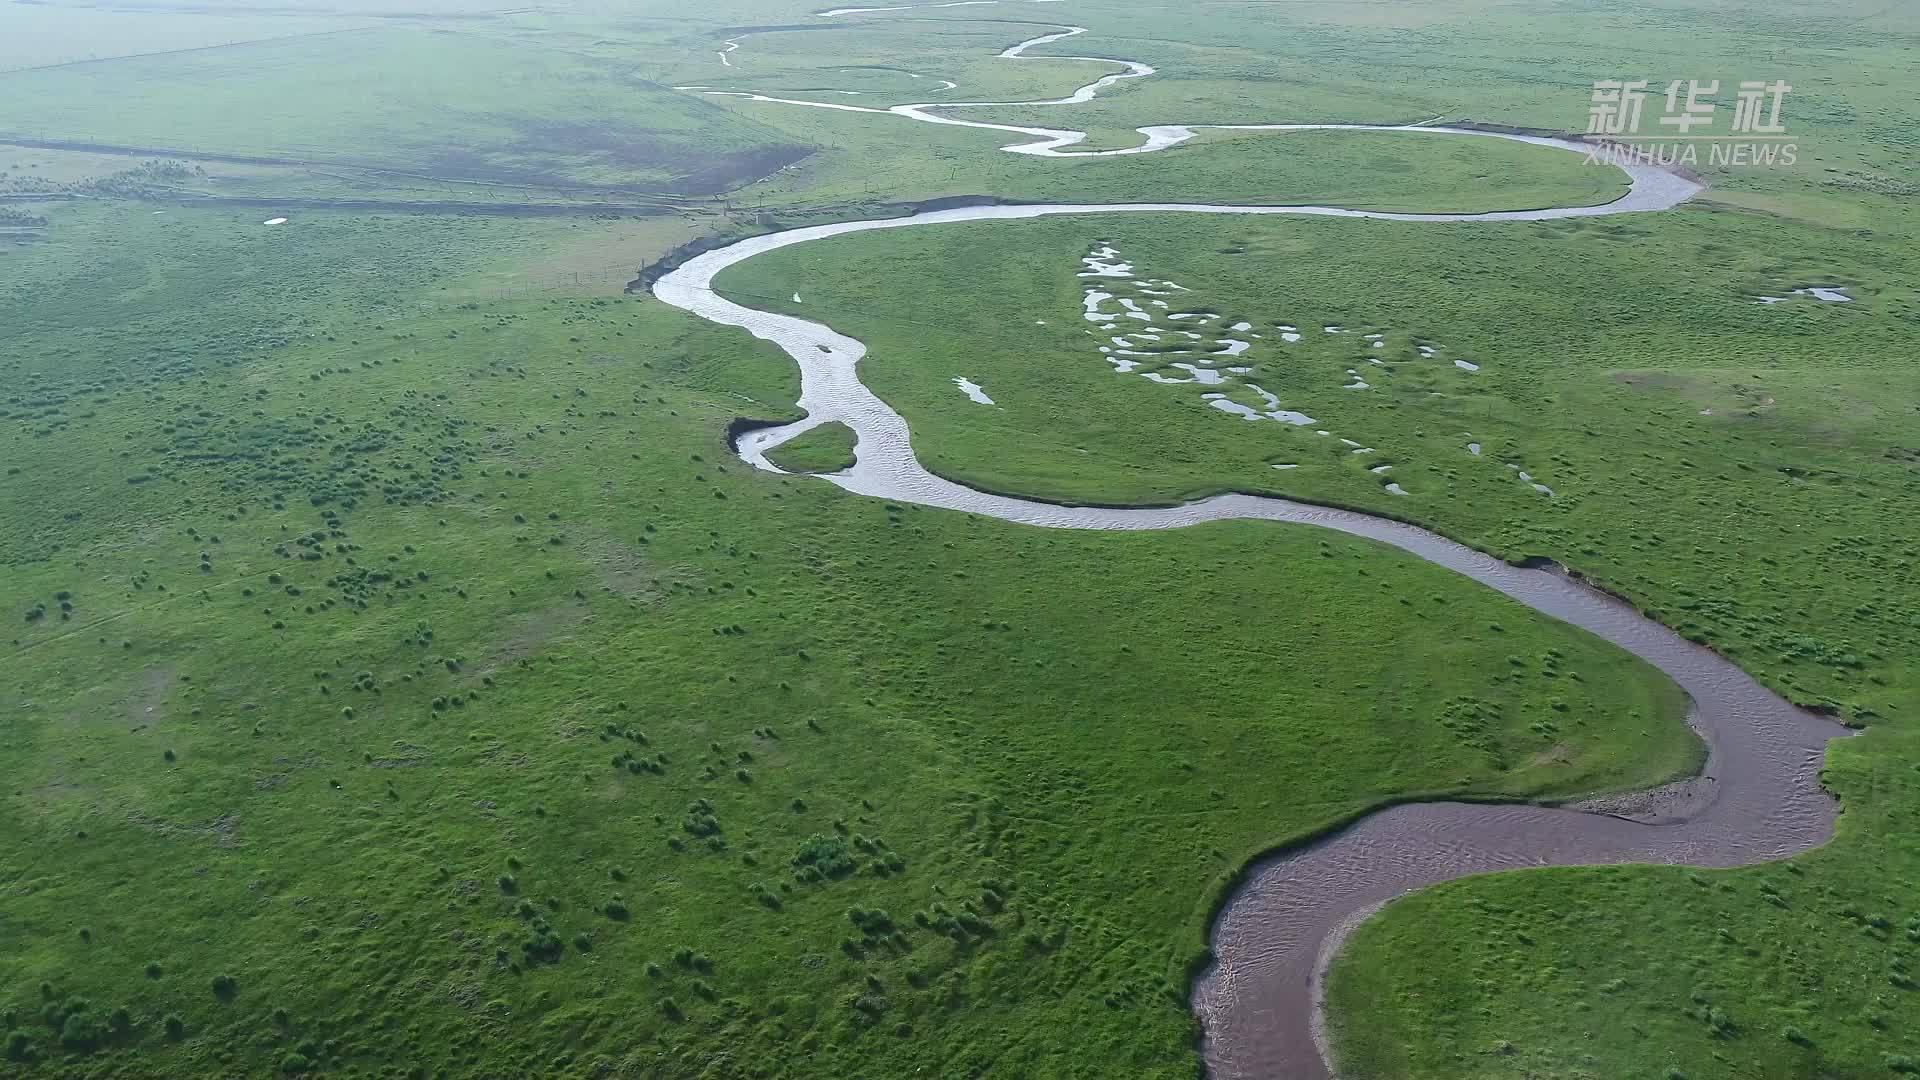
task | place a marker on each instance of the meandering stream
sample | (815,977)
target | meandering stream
(1260,1004)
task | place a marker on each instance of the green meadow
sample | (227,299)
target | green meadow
(1762,443)
(457,704)
(441,103)
(406,679)
(824,449)
(1739,469)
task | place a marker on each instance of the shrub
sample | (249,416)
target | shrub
(81,1032)
(224,987)
(872,922)
(826,856)
(19,1046)
(545,947)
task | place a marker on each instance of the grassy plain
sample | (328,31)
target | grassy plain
(1305,62)
(1740,469)
(43,35)
(426,689)
(1363,171)
(472,789)
(448,104)
(1776,444)
(824,449)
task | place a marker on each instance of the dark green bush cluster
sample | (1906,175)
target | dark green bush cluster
(883,860)
(78,1026)
(964,926)
(700,820)
(543,946)
(872,922)
(20,1046)
(657,764)
(1716,1019)
(820,857)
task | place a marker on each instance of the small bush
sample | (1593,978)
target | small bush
(826,856)
(19,1046)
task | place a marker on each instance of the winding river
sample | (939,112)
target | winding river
(1260,1003)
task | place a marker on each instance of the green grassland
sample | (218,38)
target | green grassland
(459,705)
(1359,170)
(1778,445)
(1259,62)
(445,103)
(1742,470)
(824,449)
(42,35)
(879,57)
(867,157)
(406,680)
(104,310)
